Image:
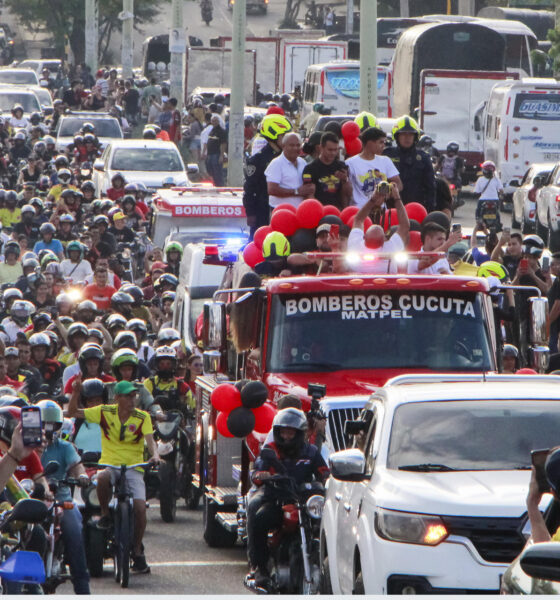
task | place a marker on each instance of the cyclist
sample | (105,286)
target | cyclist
(125,429)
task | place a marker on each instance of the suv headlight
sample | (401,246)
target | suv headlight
(314,506)
(410,528)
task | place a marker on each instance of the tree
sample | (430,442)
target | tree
(291,14)
(65,20)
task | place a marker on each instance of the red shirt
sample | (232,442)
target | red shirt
(143,207)
(29,467)
(11,382)
(100,295)
(162,135)
(114,194)
(175,128)
(104,378)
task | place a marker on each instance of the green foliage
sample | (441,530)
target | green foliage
(554,52)
(65,19)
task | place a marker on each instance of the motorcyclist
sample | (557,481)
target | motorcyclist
(87,436)
(18,320)
(255,195)
(116,190)
(11,269)
(414,165)
(105,236)
(51,371)
(452,166)
(140,329)
(134,216)
(27,225)
(10,214)
(289,455)
(510,358)
(30,376)
(69,465)
(488,189)
(75,268)
(90,366)
(124,364)
(47,231)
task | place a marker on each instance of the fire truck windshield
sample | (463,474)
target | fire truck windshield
(376,330)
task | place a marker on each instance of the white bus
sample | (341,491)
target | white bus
(336,84)
(521,127)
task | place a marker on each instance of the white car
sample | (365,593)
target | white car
(10,95)
(432,497)
(52,64)
(548,210)
(107,128)
(525,197)
(150,162)
(18,77)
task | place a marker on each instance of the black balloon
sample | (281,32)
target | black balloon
(332,220)
(241,383)
(438,217)
(254,394)
(303,240)
(414,225)
(241,421)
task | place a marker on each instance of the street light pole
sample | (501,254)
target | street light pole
(237,98)
(177,48)
(127,18)
(92,35)
(349,16)
(368,55)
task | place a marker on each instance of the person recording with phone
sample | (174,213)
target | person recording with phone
(545,478)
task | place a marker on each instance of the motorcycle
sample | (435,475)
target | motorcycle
(206,12)
(294,563)
(489,214)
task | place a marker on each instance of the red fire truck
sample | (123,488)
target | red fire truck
(350,333)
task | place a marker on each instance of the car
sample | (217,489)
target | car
(10,95)
(52,64)
(525,197)
(207,94)
(44,97)
(146,161)
(431,498)
(107,128)
(548,209)
(18,76)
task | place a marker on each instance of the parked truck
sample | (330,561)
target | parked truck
(349,333)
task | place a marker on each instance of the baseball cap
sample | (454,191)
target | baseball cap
(125,387)
(118,216)
(11,351)
(324,227)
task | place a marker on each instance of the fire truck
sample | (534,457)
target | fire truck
(332,340)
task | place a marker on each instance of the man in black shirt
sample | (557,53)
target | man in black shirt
(554,303)
(121,232)
(329,174)
(215,150)
(511,257)
(131,100)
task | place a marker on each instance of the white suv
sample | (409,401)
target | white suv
(432,497)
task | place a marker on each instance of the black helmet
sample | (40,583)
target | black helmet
(12,247)
(128,199)
(101,220)
(149,133)
(453,147)
(11,196)
(134,291)
(93,388)
(90,351)
(425,141)
(294,419)
(138,326)
(119,300)
(166,278)
(125,339)
(88,128)
(41,320)
(88,185)
(89,138)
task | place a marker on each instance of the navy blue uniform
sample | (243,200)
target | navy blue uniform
(417,175)
(255,195)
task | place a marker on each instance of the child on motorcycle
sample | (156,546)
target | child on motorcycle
(489,190)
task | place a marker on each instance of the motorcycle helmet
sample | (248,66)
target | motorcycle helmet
(510,350)
(365,120)
(166,278)
(406,124)
(88,185)
(134,291)
(117,176)
(12,294)
(21,310)
(115,321)
(124,356)
(129,199)
(78,140)
(275,246)
(130,188)
(149,133)
(64,175)
(138,326)
(10,418)
(11,197)
(12,247)
(37,203)
(41,321)
(289,418)
(93,388)
(273,126)
(425,141)
(126,339)
(27,210)
(533,245)
(121,302)
(75,246)
(66,218)
(168,296)
(47,228)
(101,220)
(174,247)
(30,263)
(453,147)
(77,329)
(165,353)
(488,168)
(87,352)
(34,280)
(48,257)
(89,138)
(88,128)
(51,416)
(107,204)
(40,339)
(166,336)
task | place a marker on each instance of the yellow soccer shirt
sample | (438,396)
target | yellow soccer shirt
(9,217)
(121,443)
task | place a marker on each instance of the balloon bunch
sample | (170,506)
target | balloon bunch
(242,408)
(416,214)
(351,136)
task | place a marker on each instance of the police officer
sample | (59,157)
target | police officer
(255,196)
(414,165)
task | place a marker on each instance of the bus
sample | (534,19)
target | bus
(336,84)
(521,123)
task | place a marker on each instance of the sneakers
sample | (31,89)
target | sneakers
(139,564)
(262,577)
(105,522)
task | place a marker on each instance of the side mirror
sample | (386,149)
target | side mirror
(29,511)
(99,165)
(539,320)
(348,465)
(542,561)
(514,183)
(214,333)
(192,169)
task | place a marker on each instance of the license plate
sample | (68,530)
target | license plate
(489,216)
(551,156)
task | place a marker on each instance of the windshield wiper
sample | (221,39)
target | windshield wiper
(425,467)
(316,365)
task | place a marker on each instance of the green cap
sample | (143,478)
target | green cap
(125,387)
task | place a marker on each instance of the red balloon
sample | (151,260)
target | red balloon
(348,212)
(260,234)
(285,222)
(264,415)
(526,371)
(415,242)
(225,397)
(394,220)
(329,209)
(309,213)
(350,130)
(252,255)
(285,206)
(353,147)
(367,223)
(416,211)
(221,425)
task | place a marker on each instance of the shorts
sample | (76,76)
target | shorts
(134,482)
(195,144)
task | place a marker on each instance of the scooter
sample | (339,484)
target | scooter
(294,563)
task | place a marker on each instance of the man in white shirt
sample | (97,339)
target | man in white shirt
(373,240)
(367,169)
(284,175)
(75,268)
(433,240)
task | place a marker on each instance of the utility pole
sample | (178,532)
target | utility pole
(467,8)
(368,55)
(177,48)
(405,9)
(349,16)
(92,35)
(127,18)
(237,98)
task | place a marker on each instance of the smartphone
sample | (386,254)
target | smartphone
(507,230)
(524,263)
(335,230)
(31,426)
(538,458)
(546,263)
(456,227)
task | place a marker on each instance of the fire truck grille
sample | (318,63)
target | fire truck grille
(335,431)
